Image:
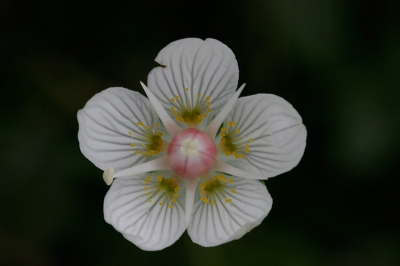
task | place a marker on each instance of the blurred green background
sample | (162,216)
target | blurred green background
(337,62)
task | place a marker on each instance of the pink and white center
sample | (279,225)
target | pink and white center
(191,153)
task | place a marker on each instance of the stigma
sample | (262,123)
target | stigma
(191,153)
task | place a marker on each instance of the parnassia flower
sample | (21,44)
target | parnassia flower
(190,156)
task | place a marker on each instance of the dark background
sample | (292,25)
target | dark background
(337,62)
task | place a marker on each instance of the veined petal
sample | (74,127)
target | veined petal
(263,135)
(119,128)
(147,209)
(226,208)
(195,78)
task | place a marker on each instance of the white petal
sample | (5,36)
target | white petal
(105,123)
(208,68)
(213,225)
(148,225)
(277,132)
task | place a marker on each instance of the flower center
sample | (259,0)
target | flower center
(191,153)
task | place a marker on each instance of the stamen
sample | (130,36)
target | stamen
(148,141)
(164,190)
(232,142)
(216,187)
(108,175)
(192,111)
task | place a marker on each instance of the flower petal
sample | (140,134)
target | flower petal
(229,213)
(208,68)
(267,133)
(108,131)
(132,206)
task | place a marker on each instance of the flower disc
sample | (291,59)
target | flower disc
(191,153)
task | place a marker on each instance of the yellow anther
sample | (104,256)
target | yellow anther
(205,115)
(176,195)
(146,188)
(146,181)
(233,191)
(230,180)
(247,150)
(247,145)
(222,140)
(132,145)
(212,202)
(138,123)
(160,203)
(130,132)
(169,206)
(186,89)
(198,95)
(209,110)
(233,123)
(229,124)
(204,199)
(147,194)
(236,156)
(227,200)
(156,124)
(208,103)
(238,130)
(172,100)
(251,139)
(149,200)
(159,177)
(172,108)
(176,97)
(223,129)
(202,192)
(216,177)
(242,156)
(223,178)
(223,134)
(173,200)
(176,189)
(136,152)
(227,153)
(149,177)
(207,98)
(147,127)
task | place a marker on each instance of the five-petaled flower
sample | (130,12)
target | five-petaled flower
(189,156)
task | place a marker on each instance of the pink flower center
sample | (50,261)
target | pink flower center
(191,153)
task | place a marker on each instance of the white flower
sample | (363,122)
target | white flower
(189,155)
